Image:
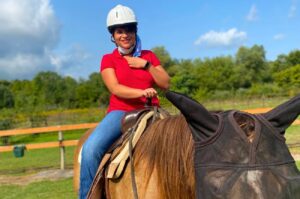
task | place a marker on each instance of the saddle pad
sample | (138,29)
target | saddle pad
(116,166)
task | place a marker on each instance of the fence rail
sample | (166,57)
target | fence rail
(47,129)
(61,143)
(42,145)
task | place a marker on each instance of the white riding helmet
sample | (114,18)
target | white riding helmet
(120,15)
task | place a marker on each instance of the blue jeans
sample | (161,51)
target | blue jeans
(94,148)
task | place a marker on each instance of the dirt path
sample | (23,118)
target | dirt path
(296,157)
(51,175)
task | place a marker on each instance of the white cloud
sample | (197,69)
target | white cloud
(279,36)
(252,15)
(293,9)
(70,60)
(22,66)
(29,33)
(228,39)
(27,27)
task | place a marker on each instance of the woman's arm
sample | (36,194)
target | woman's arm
(158,73)
(160,76)
(111,82)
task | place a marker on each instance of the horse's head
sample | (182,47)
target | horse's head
(203,123)
(229,164)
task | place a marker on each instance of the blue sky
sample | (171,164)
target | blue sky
(70,36)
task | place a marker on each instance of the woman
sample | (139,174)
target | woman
(129,74)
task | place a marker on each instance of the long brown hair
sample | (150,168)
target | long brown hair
(168,148)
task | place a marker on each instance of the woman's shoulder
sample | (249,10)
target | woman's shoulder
(107,56)
(147,52)
(111,54)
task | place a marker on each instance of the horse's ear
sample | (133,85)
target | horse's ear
(282,116)
(200,120)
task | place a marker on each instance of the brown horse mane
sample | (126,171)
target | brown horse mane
(167,148)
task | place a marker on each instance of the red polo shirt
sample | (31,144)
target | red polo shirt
(131,77)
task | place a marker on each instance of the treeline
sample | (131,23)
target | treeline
(49,90)
(248,73)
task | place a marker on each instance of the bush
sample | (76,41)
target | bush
(5,124)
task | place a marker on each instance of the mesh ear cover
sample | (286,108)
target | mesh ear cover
(202,123)
(282,116)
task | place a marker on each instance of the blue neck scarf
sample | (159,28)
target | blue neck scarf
(138,47)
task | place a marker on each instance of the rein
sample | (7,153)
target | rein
(143,121)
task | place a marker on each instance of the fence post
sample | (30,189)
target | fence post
(62,150)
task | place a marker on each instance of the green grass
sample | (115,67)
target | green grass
(245,103)
(61,189)
(292,136)
(34,160)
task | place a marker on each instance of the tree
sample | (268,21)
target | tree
(289,78)
(251,65)
(23,94)
(49,89)
(286,61)
(69,95)
(92,92)
(280,64)
(6,97)
(293,58)
(216,73)
(164,56)
(99,91)
(185,80)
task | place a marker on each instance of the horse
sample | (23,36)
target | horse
(166,155)
(162,170)
(163,160)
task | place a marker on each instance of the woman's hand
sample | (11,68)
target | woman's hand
(149,92)
(136,62)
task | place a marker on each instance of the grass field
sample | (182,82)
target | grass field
(33,161)
(61,189)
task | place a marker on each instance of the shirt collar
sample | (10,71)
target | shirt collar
(116,53)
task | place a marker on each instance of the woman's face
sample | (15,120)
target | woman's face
(124,38)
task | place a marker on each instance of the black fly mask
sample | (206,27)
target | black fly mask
(235,159)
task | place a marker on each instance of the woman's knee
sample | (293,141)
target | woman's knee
(91,151)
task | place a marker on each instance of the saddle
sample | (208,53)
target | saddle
(113,163)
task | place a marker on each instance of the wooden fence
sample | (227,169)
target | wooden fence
(61,143)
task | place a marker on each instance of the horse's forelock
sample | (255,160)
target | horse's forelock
(167,147)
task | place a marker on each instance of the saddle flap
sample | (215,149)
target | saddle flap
(114,161)
(130,118)
(120,159)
